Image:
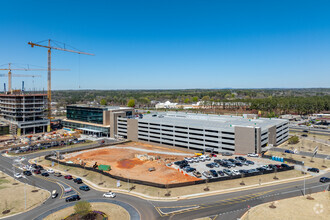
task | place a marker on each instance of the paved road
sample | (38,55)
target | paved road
(310,130)
(224,206)
(303,153)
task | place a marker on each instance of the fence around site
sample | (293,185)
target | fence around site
(159,185)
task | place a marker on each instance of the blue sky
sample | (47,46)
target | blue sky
(171,44)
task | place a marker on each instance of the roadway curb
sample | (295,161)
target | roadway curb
(191,196)
(9,216)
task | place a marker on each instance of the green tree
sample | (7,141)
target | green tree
(103,102)
(187,100)
(194,99)
(82,208)
(131,103)
(293,140)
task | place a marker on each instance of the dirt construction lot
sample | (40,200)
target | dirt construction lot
(132,160)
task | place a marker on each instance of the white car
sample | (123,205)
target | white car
(252,155)
(18,175)
(109,195)
(50,171)
(235,172)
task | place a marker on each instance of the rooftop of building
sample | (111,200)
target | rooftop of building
(22,94)
(103,107)
(217,122)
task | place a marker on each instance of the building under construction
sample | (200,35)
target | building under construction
(25,113)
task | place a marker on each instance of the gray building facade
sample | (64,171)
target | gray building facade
(216,133)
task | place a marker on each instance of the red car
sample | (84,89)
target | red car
(213,155)
(278,166)
(37,171)
(68,177)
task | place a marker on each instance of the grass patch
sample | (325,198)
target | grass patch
(13,197)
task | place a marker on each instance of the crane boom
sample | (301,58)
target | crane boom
(49,80)
(20,75)
(58,48)
(23,69)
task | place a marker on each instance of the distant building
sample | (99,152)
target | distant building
(167,105)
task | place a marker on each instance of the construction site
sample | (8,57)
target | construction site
(135,160)
(26,113)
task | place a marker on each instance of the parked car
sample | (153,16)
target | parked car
(77,180)
(289,151)
(72,198)
(252,155)
(228,172)
(240,158)
(210,165)
(278,166)
(232,160)
(27,173)
(45,174)
(18,175)
(68,177)
(213,155)
(324,179)
(238,164)
(39,167)
(214,173)
(207,174)
(284,165)
(315,170)
(190,169)
(221,173)
(109,195)
(226,154)
(195,159)
(197,174)
(235,172)
(218,161)
(250,162)
(84,188)
(243,171)
(207,158)
(261,169)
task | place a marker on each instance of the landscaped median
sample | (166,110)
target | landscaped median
(12,194)
(315,206)
(112,211)
(105,183)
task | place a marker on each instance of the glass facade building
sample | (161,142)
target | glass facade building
(86,114)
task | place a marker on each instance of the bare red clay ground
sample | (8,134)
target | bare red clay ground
(124,163)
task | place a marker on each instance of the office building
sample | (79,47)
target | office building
(95,119)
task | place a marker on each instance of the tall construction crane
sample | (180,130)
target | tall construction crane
(49,89)
(21,69)
(17,75)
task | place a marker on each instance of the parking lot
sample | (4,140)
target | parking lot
(204,166)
